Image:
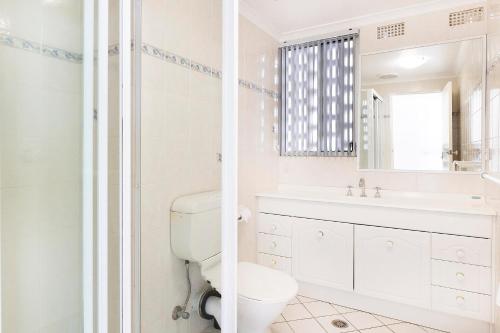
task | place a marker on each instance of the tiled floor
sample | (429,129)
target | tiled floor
(307,315)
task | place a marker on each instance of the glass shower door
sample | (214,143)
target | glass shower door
(49,140)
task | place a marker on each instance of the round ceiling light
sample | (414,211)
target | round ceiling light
(412,61)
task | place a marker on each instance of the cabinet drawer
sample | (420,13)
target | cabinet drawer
(274,224)
(461,276)
(462,303)
(467,250)
(276,262)
(277,245)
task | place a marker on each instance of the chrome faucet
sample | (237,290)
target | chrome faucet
(377,193)
(362,186)
(349,191)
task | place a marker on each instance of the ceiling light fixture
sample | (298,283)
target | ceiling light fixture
(412,61)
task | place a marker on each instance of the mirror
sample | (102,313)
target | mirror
(422,108)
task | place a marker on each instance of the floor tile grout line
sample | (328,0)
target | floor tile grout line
(317,322)
(389,328)
(290,327)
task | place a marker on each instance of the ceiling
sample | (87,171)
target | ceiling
(284,18)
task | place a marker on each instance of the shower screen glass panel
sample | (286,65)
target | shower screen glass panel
(180,144)
(49,166)
(41,184)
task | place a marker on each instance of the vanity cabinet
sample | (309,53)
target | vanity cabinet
(323,253)
(423,265)
(393,264)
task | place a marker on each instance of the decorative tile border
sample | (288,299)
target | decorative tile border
(114,50)
(187,63)
(35,47)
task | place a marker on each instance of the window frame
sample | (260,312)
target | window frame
(323,138)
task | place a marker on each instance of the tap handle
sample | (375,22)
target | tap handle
(377,193)
(349,190)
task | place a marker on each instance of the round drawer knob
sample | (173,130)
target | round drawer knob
(274,245)
(389,244)
(460,276)
(273,262)
(460,300)
(274,227)
(321,234)
(460,254)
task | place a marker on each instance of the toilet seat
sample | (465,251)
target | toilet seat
(263,284)
(255,282)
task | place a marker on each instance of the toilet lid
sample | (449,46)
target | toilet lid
(265,284)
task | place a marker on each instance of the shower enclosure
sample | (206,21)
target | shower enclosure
(59,162)
(109,110)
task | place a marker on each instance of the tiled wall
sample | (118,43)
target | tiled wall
(493,91)
(493,117)
(181,136)
(343,171)
(40,154)
(180,139)
(258,114)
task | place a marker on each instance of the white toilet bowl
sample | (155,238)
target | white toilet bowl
(263,294)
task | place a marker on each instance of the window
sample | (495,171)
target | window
(317,98)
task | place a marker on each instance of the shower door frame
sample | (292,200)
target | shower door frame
(95,248)
(130,112)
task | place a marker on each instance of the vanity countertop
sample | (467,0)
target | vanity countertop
(438,202)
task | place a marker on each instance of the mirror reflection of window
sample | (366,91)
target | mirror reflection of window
(421,108)
(418,138)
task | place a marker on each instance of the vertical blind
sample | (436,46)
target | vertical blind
(317,98)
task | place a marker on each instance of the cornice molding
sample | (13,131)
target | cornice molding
(431,6)
(253,16)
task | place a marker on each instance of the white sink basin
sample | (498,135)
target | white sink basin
(456,203)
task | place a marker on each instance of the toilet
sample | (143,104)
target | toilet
(263,292)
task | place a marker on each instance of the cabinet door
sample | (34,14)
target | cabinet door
(393,264)
(323,253)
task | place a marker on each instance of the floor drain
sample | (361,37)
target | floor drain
(339,323)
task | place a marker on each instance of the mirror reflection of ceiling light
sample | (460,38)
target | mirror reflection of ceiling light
(388,76)
(412,61)
(4,25)
(52,2)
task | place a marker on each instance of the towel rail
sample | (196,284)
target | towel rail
(491,178)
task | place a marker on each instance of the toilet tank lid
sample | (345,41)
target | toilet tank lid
(197,203)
